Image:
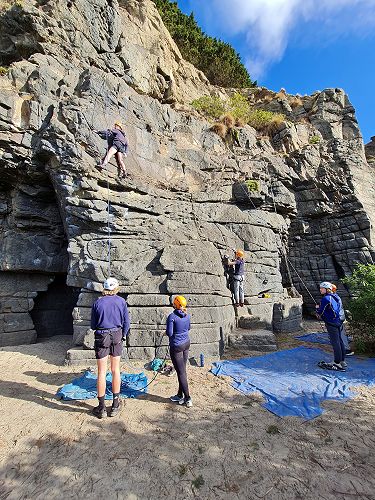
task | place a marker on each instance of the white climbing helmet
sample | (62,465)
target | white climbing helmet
(111,284)
(326,284)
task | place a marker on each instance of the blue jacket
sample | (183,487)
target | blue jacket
(116,138)
(110,311)
(239,267)
(329,309)
(178,327)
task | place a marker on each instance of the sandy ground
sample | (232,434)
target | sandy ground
(227,446)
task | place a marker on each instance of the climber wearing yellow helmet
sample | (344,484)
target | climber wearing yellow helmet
(178,327)
(117,145)
(239,278)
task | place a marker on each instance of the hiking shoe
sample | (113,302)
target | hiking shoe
(349,353)
(344,364)
(115,410)
(177,399)
(100,412)
(331,366)
(187,402)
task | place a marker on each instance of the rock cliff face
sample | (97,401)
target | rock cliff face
(80,65)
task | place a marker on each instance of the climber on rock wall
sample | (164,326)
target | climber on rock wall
(111,322)
(178,328)
(117,146)
(329,311)
(238,278)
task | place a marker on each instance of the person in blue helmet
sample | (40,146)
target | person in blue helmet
(177,329)
(329,311)
(335,295)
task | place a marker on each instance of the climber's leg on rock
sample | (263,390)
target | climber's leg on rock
(107,158)
(120,164)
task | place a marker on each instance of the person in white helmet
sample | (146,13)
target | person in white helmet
(111,322)
(329,311)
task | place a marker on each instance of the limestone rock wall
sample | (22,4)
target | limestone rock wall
(75,69)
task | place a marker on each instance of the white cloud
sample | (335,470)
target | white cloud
(268,24)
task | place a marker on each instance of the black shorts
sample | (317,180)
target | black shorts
(108,342)
(121,148)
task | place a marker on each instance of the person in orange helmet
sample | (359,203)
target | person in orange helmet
(239,278)
(178,328)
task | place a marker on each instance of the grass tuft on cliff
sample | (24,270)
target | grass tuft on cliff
(218,60)
(237,111)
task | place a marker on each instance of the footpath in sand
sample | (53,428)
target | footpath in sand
(227,446)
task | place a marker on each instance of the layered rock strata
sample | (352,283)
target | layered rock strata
(78,66)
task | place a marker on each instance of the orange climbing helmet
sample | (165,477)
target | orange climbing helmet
(179,302)
(118,124)
(240,254)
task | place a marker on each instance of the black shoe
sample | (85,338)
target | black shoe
(348,352)
(331,366)
(115,410)
(100,412)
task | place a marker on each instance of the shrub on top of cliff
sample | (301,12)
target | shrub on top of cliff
(218,60)
(213,107)
(362,306)
(239,107)
(265,121)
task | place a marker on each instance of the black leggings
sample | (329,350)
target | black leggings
(179,357)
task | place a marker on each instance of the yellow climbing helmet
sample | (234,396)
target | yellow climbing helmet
(239,253)
(179,302)
(118,124)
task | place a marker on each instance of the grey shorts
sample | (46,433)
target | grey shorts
(108,343)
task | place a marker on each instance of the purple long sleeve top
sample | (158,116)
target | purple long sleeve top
(178,327)
(110,311)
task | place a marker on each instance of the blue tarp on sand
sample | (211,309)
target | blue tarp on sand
(316,338)
(292,383)
(84,387)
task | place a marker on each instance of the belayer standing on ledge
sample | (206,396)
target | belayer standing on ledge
(329,311)
(178,328)
(238,278)
(111,322)
(117,145)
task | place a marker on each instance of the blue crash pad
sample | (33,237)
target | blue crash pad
(316,338)
(292,383)
(84,387)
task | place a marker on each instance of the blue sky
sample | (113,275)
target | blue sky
(301,45)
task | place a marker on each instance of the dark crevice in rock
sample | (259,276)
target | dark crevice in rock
(52,312)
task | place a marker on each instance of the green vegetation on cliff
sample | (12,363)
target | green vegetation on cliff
(218,60)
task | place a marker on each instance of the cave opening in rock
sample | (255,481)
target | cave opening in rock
(52,312)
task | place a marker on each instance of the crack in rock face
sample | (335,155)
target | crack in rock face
(77,67)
